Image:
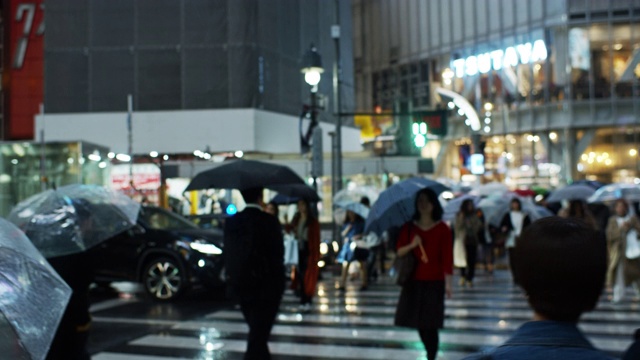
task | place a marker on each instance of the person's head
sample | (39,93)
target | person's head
(516,205)
(561,266)
(426,202)
(621,207)
(253,196)
(350,216)
(272,208)
(303,207)
(577,208)
(467,207)
(365,201)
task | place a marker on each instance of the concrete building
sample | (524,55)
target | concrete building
(547,91)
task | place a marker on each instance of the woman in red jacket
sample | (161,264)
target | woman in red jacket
(421,304)
(306,229)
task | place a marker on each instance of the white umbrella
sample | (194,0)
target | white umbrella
(489,189)
(453,206)
(571,192)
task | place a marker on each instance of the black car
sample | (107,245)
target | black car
(165,252)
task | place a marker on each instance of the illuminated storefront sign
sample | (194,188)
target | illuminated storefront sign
(511,56)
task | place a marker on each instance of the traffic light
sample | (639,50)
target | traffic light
(419,130)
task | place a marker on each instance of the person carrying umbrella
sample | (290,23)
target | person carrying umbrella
(254,262)
(421,303)
(467,229)
(306,228)
(513,223)
(624,261)
(352,231)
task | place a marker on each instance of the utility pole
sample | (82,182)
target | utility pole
(337,68)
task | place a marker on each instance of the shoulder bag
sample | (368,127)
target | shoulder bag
(405,266)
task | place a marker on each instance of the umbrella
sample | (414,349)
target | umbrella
(355,194)
(525,192)
(33,297)
(571,192)
(356,207)
(492,188)
(495,208)
(74,218)
(616,191)
(395,206)
(453,206)
(297,192)
(280,199)
(593,183)
(243,175)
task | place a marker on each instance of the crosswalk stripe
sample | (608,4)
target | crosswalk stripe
(359,324)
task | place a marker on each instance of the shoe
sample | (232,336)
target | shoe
(341,288)
(469,284)
(363,287)
(462,281)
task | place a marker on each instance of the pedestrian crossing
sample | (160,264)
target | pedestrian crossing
(359,325)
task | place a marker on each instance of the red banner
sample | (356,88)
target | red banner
(24,77)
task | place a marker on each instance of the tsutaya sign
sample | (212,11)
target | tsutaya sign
(511,56)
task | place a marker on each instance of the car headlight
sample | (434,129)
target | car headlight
(324,248)
(205,248)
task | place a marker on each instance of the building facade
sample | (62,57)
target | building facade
(547,91)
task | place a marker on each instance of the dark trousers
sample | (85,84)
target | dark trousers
(260,314)
(375,253)
(472,256)
(430,340)
(303,264)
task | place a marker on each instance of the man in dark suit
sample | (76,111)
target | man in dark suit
(254,260)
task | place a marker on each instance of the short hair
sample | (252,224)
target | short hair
(252,196)
(516,200)
(365,201)
(436,214)
(561,265)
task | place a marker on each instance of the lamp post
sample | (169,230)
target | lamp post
(312,71)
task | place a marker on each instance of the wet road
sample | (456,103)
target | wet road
(351,325)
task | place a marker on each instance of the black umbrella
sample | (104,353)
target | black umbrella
(243,175)
(297,192)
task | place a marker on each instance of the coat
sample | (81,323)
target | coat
(254,255)
(506,223)
(460,231)
(313,238)
(616,246)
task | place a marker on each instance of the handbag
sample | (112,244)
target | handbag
(633,247)
(405,266)
(290,250)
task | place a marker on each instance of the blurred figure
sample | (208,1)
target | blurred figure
(254,263)
(70,341)
(561,268)
(272,208)
(579,209)
(467,227)
(633,352)
(72,335)
(376,249)
(487,242)
(624,268)
(421,303)
(352,231)
(513,223)
(306,229)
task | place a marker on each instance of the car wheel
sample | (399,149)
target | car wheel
(163,279)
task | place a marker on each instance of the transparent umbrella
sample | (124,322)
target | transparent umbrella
(33,297)
(612,192)
(74,218)
(355,194)
(494,208)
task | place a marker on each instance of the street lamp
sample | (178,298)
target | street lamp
(312,71)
